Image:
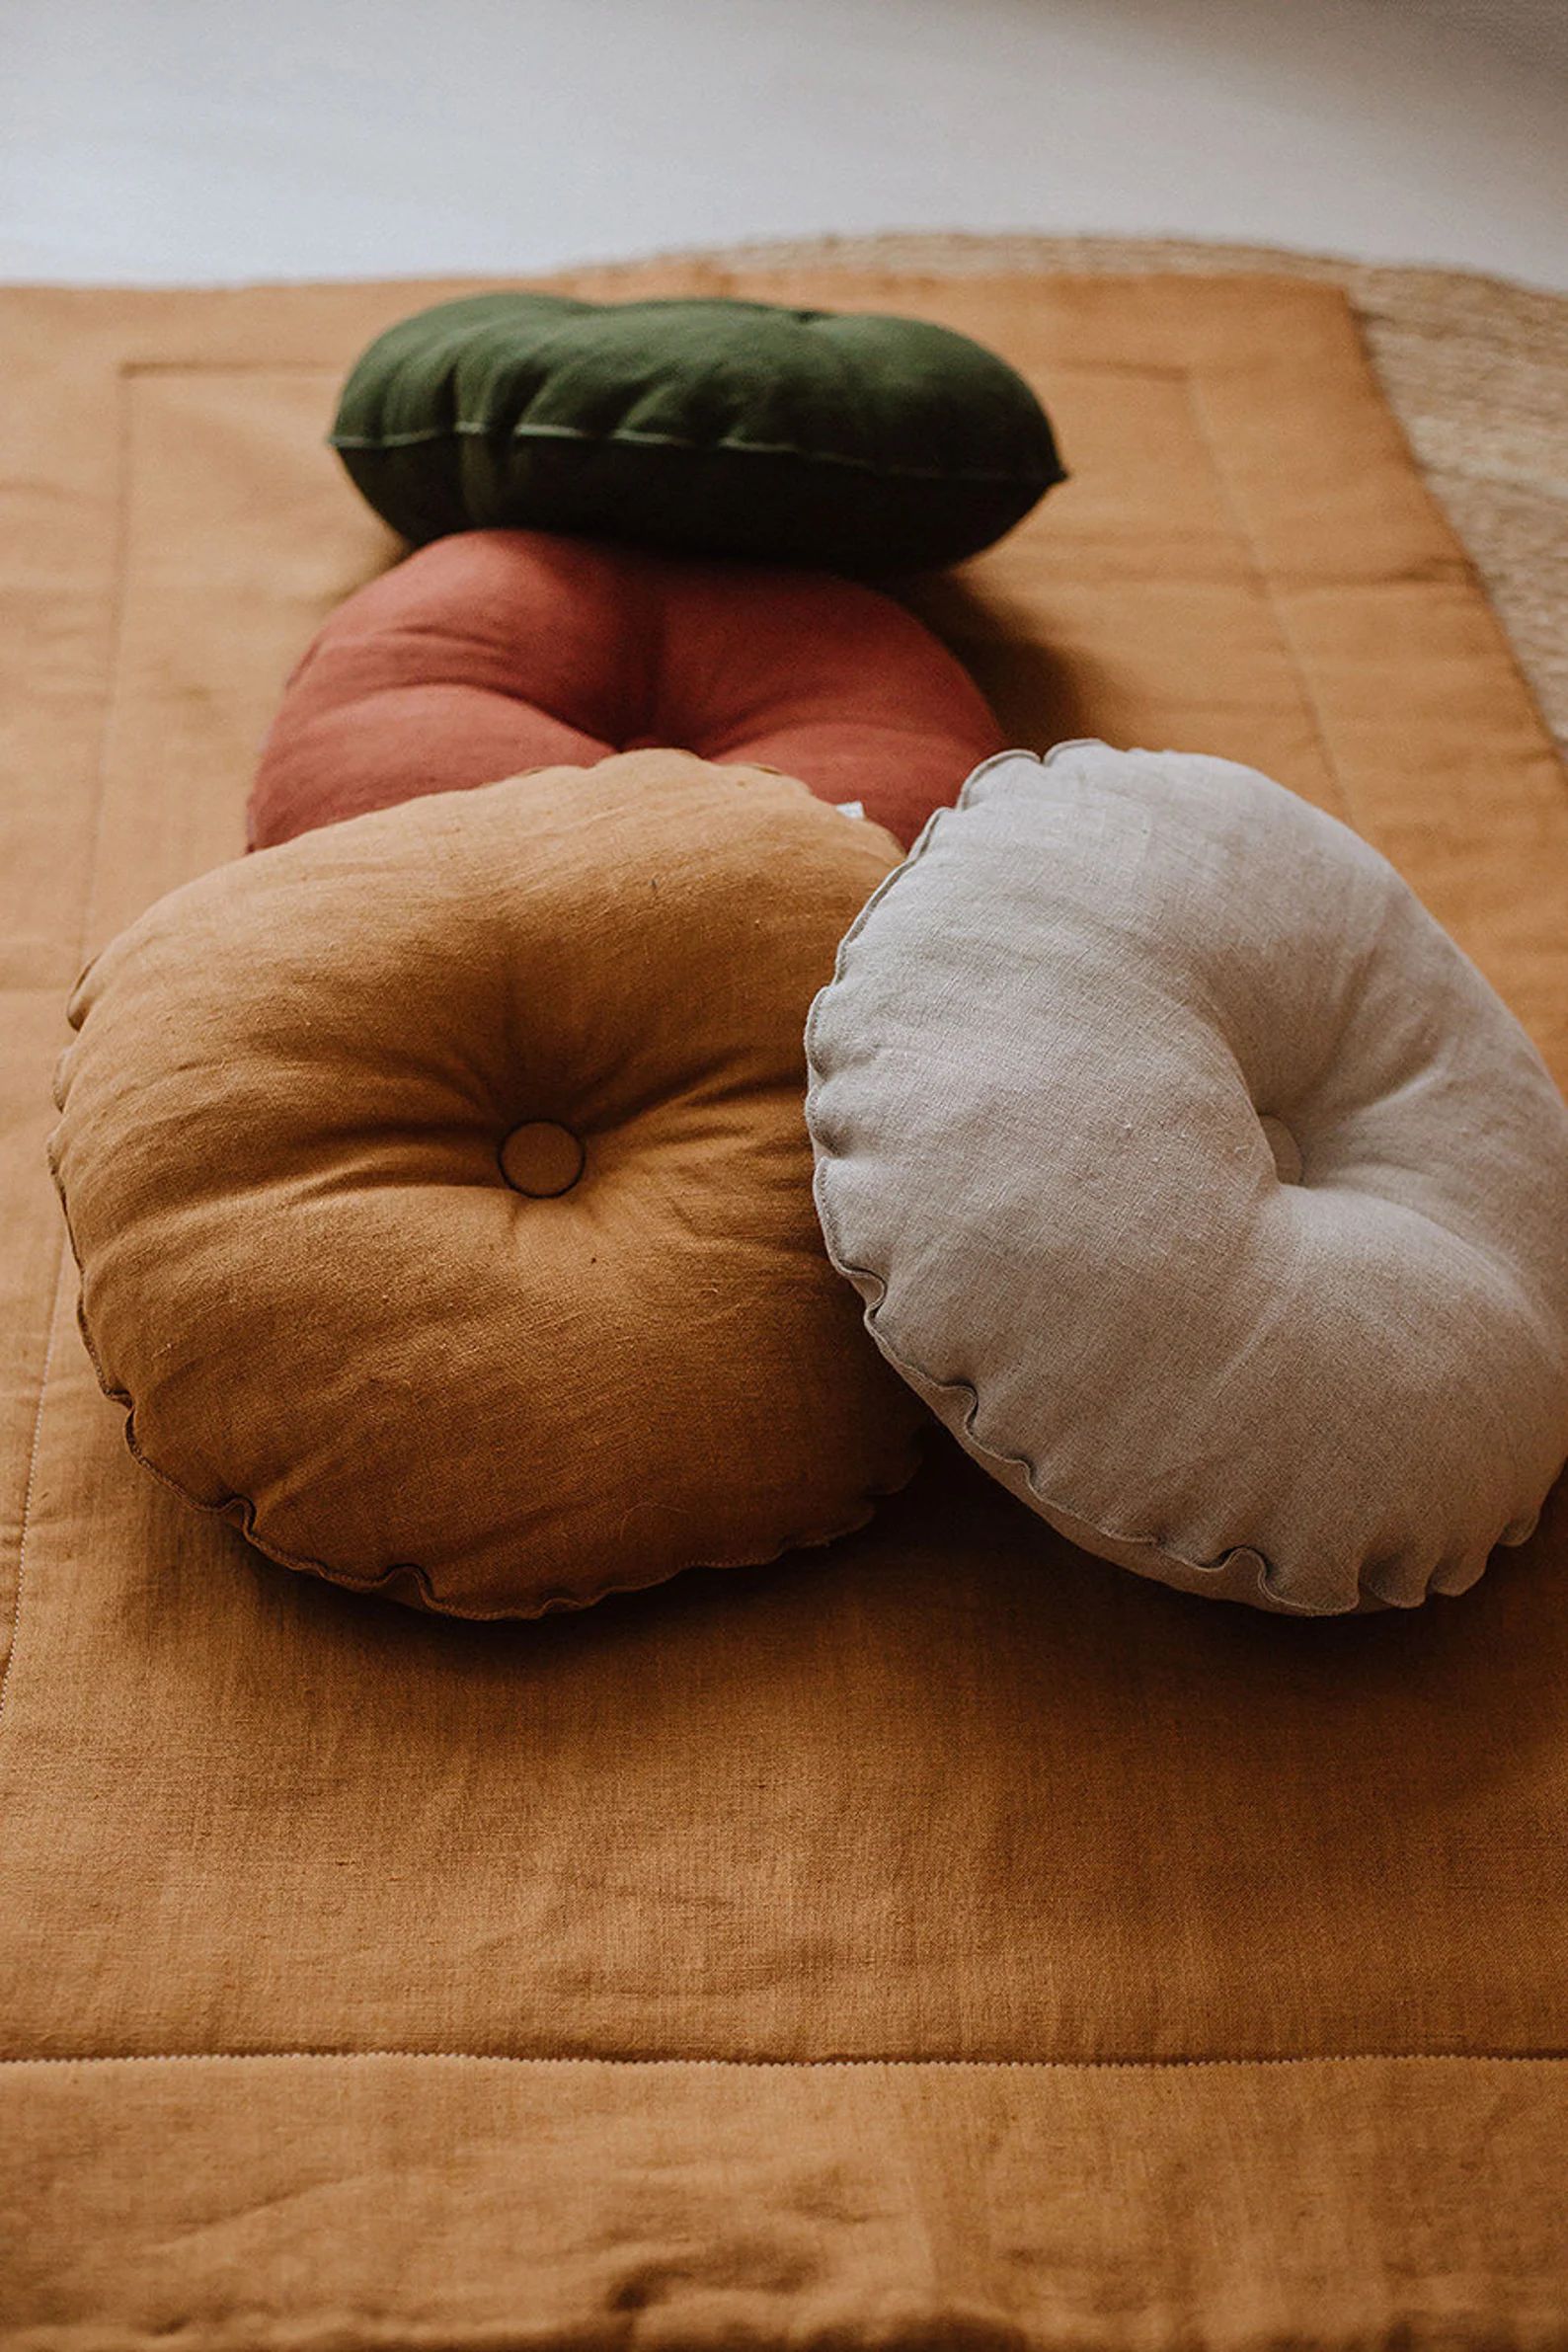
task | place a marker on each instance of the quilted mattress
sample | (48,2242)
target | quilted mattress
(940,1939)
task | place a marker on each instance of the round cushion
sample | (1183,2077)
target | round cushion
(863,444)
(498,650)
(1199,1183)
(442,1194)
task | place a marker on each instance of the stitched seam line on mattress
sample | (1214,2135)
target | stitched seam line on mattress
(64,1257)
(55,1288)
(475,428)
(996,2066)
(1267,590)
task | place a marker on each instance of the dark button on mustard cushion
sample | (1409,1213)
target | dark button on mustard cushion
(298,1086)
(542,1160)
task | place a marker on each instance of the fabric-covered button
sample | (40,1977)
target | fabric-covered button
(542,1160)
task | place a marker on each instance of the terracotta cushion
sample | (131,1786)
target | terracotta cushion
(442,1194)
(493,652)
(1199,1183)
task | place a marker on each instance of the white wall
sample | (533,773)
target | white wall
(148,139)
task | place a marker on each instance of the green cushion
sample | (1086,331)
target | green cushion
(853,441)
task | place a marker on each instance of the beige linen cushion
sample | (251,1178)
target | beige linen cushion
(1198,1182)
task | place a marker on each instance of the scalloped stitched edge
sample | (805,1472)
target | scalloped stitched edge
(239,1511)
(475,427)
(866,1279)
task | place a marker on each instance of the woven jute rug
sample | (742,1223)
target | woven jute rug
(1475,368)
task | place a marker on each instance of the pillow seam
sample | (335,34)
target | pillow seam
(475,427)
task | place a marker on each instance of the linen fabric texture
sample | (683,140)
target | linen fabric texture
(492,652)
(937,1938)
(860,442)
(1199,1183)
(442,1195)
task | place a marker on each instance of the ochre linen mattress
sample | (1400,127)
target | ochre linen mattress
(938,1941)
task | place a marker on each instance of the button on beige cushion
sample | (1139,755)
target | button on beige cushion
(443,1193)
(1199,1183)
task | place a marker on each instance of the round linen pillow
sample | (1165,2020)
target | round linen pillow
(498,651)
(1199,1183)
(442,1194)
(863,444)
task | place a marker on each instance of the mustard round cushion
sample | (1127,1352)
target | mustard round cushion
(442,1190)
(1197,1181)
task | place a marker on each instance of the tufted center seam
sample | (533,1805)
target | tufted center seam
(1285,1147)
